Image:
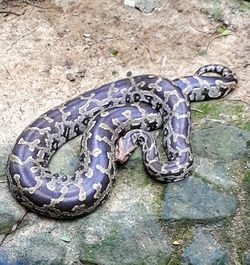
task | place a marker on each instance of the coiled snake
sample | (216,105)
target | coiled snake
(104,115)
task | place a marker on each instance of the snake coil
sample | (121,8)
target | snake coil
(103,115)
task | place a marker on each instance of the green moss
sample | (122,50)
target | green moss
(243,4)
(246,126)
(247,183)
(229,112)
(175,259)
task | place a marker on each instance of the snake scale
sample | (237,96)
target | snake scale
(127,108)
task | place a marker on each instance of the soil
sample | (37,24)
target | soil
(52,51)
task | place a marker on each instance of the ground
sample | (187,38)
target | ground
(54,50)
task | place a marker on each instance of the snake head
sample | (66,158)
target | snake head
(124,149)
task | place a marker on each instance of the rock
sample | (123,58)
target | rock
(71,77)
(4,152)
(195,200)
(220,142)
(204,250)
(145,6)
(130,3)
(66,160)
(10,210)
(215,172)
(43,249)
(120,239)
(5,260)
(247,258)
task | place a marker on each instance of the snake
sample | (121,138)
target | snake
(134,105)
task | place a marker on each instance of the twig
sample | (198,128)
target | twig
(24,35)
(198,110)
(14,227)
(212,39)
(35,5)
(175,40)
(192,25)
(239,100)
(8,72)
(9,13)
(215,120)
(147,48)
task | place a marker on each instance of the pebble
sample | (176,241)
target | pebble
(145,6)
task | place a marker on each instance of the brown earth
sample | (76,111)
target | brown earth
(43,44)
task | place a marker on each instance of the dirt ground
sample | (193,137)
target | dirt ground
(45,44)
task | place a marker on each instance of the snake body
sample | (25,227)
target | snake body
(103,115)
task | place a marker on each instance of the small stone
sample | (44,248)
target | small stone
(70,77)
(68,63)
(145,6)
(205,250)
(81,74)
(194,200)
(129,73)
(86,35)
(115,73)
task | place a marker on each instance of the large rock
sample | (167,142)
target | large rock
(220,142)
(218,173)
(204,250)
(196,201)
(124,239)
(10,210)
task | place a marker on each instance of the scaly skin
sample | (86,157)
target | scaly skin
(93,113)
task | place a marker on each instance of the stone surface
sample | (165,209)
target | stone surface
(5,260)
(220,142)
(4,151)
(67,159)
(247,258)
(204,250)
(43,249)
(196,201)
(214,171)
(10,211)
(120,239)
